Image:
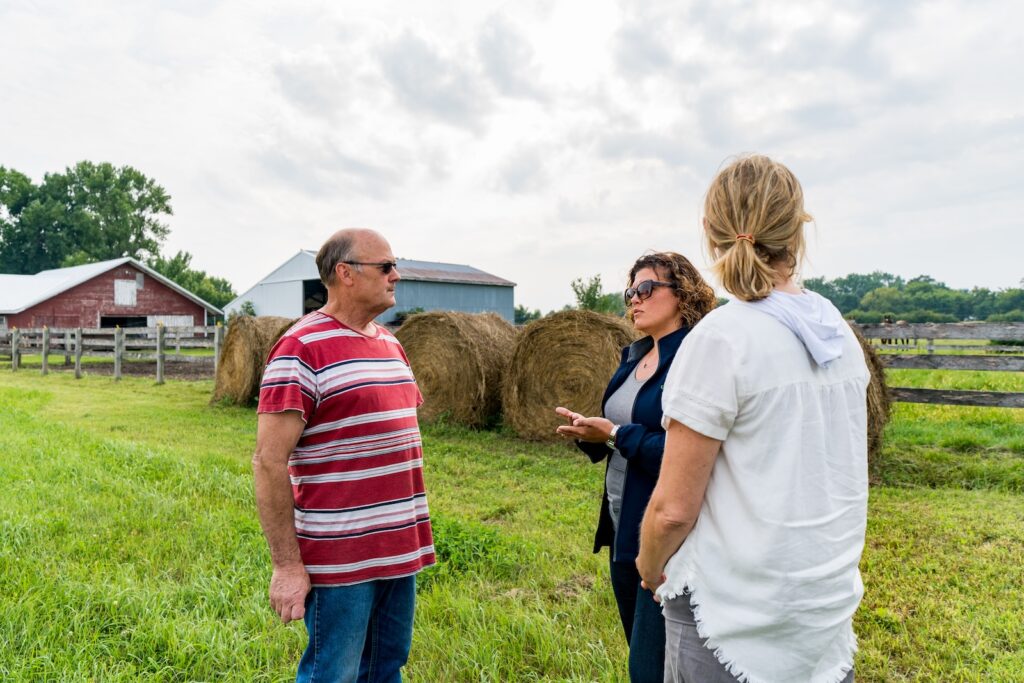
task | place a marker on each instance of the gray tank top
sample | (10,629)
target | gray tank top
(619,409)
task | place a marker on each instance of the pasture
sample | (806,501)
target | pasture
(130,548)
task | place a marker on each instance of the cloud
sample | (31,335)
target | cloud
(429,83)
(508,60)
(523,172)
(312,81)
(316,165)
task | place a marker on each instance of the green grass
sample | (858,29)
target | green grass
(130,549)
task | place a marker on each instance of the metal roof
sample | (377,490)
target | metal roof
(20,292)
(431,271)
(424,271)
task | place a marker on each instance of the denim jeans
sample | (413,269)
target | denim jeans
(360,633)
(642,622)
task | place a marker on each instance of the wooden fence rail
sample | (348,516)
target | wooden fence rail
(120,344)
(153,343)
(937,356)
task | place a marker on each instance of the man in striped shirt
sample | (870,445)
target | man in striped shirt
(338,472)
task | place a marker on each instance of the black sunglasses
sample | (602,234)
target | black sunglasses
(643,290)
(385,266)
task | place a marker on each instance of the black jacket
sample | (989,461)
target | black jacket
(641,443)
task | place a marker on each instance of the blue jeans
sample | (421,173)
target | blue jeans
(358,633)
(642,622)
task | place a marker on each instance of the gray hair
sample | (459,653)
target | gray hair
(337,249)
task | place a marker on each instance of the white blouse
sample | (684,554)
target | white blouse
(772,562)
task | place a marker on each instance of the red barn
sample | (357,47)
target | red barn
(121,292)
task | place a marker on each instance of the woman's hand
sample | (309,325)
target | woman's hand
(592,429)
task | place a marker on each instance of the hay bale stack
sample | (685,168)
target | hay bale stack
(242,358)
(459,360)
(879,402)
(565,359)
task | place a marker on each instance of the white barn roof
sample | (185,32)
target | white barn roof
(20,292)
(302,266)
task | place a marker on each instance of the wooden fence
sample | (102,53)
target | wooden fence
(900,344)
(119,344)
(938,354)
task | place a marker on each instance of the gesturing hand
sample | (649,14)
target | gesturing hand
(288,588)
(593,429)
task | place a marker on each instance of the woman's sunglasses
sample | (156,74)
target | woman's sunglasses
(385,266)
(643,290)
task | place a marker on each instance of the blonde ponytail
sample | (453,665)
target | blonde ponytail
(753,220)
(743,273)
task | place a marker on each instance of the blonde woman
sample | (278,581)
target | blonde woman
(754,532)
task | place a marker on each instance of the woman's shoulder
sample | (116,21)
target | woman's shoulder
(726,320)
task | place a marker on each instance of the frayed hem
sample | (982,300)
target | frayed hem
(835,675)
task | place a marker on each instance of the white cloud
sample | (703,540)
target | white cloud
(539,141)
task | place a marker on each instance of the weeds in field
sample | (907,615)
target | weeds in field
(130,549)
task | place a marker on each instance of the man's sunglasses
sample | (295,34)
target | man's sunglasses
(643,290)
(385,266)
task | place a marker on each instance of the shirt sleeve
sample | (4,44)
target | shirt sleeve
(700,389)
(415,383)
(289,381)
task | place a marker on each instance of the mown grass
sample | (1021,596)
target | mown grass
(130,549)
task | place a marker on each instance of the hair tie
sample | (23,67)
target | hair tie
(745,236)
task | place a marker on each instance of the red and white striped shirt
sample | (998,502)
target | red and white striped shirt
(357,470)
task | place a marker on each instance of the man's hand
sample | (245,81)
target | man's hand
(592,429)
(289,586)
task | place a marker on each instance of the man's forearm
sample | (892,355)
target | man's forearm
(276,509)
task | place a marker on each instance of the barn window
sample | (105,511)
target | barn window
(314,295)
(3,322)
(140,280)
(124,292)
(122,321)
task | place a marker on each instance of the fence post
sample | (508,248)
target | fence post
(177,341)
(15,351)
(218,339)
(78,353)
(67,348)
(46,350)
(160,331)
(118,343)
(931,346)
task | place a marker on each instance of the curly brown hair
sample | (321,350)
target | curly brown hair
(695,295)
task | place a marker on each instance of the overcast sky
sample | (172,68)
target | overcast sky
(538,141)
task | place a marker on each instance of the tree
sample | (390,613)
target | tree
(90,212)
(847,292)
(215,290)
(590,298)
(524,315)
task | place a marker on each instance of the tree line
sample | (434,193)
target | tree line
(866,298)
(94,212)
(875,297)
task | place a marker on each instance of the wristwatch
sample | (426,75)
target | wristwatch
(611,436)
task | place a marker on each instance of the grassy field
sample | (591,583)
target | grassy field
(130,549)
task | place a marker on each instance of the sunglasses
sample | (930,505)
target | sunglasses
(643,290)
(385,266)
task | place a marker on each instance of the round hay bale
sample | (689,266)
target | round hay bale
(459,360)
(879,402)
(243,356)
(565,359)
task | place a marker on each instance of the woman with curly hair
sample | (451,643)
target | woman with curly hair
(665,298)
